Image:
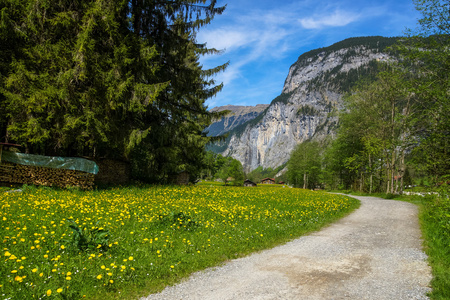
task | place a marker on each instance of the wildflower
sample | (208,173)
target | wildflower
(34,270)
(49,292)
(130,258)
(59,290)
(99,276)
(63,247)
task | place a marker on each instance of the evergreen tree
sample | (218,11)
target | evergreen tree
(108,78)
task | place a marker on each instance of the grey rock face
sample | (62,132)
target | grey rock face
(238,115)
(303,111)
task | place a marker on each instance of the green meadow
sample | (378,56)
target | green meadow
(131,241)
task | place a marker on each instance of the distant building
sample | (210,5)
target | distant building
(249,183)
(181,178)
(268,181)
(281,182)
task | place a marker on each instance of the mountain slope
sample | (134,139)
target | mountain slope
(238,115)
(312,92)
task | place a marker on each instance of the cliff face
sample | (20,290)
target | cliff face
(306,108)
(238,115)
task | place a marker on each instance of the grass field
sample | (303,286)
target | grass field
(131,241)
(435,222)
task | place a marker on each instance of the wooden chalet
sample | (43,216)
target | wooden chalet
(249,183)
(268,181)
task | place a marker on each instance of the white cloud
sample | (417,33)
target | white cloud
(337,19)
(225,39)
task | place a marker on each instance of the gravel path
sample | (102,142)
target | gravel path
(374,253)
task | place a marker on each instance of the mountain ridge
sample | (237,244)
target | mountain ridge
(313,91)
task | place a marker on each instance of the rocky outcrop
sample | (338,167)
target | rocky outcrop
(238,115)
(306,109)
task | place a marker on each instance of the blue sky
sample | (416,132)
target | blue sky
(263,38)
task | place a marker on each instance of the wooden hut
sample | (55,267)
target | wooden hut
(182,178)
(268,181)
(249,183)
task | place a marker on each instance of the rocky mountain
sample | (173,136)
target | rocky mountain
(306,108)
(238,115)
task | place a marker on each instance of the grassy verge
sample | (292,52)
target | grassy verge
(435,221)
(129,242)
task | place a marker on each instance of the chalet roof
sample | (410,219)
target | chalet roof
(273,179)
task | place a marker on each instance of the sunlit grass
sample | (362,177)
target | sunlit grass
(140,239)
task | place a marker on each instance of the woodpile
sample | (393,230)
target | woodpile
(112,171)
(23,174)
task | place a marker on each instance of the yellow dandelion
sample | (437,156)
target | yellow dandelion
(49,292)
(99,276)
(59,290)
(34,270)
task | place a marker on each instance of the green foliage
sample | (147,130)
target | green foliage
(435,216)
(307,110)
(117,79)
(87,239)
(305,165)
(178,220)
(146,253)
(260,173)
(230,167)
(283,98)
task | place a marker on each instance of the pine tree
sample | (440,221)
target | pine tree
(108,78)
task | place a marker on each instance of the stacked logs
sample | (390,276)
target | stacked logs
(23,174)
(112,171)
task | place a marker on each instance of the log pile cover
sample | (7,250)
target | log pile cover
(23,174)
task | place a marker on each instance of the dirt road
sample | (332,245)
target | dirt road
(374,253)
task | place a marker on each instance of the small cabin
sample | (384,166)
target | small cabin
(182,178)
(268,181)
(249,183)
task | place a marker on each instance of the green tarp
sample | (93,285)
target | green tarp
(68,163)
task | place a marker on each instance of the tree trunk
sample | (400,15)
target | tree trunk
(305,177)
